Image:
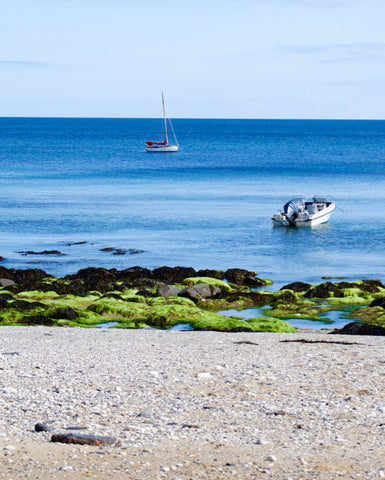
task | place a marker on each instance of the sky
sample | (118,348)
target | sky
(212,58)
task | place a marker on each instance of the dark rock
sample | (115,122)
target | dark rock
(159,321)
(242,329)
(285,298)
(145,293)
(44,252)
(119,251)
(82,439)
(6,282)
(297,287)
(173,275)
(99,279)
(370,286)
(199,291)
(357,328)
(25,280)
(6,296)
(378,302)
(146,283)
(70,244)
(129,275)
(64,313)
(238,275)
(168,291)
(2,259)
(37,320)
(42,427)
(253,281)
(258,299)
(348,285)
(135,251)
(113,295)
(3,303)
(324,290)
(23,305)
(75,287)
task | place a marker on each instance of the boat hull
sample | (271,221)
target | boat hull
(162,148)
(318,218)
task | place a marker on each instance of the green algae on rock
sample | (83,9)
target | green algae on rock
(269,324)
(214,282)
(130,299)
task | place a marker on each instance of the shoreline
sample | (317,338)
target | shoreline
(192,404)
(173,297)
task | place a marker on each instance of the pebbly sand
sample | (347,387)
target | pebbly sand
(192,405)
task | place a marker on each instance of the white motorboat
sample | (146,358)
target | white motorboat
(299,212)
(164,146)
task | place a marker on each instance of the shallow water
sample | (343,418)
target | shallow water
(333,319)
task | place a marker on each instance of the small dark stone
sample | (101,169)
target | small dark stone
(82,439)
(42,427)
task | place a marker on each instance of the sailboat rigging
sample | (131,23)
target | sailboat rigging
(164,146)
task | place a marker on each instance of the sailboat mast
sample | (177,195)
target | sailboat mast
(164,116)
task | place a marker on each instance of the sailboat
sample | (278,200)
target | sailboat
(163,146)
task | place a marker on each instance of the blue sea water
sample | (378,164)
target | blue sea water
(64,181)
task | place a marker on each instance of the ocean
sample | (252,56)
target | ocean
(82,185)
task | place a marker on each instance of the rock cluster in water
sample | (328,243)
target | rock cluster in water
(167,296)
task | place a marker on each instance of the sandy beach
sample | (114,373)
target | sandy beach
(192,405)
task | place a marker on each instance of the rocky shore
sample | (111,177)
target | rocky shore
(191,405)
(173,296)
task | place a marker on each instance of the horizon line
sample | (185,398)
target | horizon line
(191,118)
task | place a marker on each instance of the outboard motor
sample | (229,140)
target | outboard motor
(291,211)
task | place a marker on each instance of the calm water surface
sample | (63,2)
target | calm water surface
(208,206)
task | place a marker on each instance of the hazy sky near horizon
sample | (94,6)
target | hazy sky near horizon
(212,58)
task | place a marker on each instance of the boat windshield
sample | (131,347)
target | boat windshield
(299,200)
(320,198)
